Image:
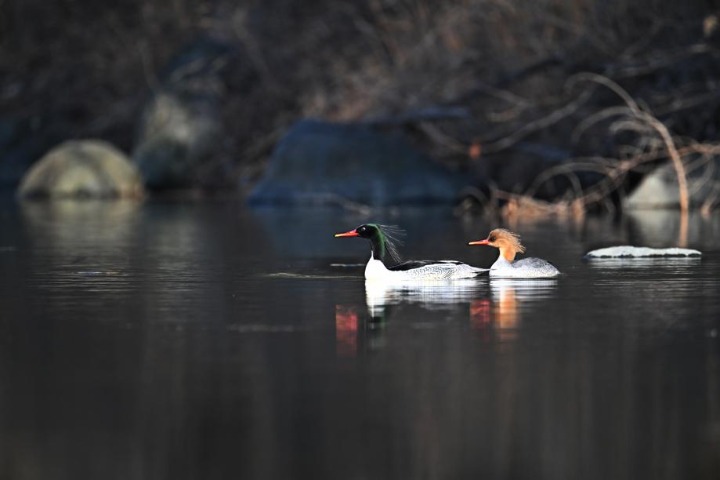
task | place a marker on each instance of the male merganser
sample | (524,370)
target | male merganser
(506,266)
(383,244)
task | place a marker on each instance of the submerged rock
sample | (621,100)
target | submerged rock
(328,163)
(82,169)
(626,251)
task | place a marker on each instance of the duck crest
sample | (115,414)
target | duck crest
(388,241)
(508,243)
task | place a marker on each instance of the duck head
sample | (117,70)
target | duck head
(382,238)
(506,241)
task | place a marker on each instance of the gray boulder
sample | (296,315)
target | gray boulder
(82,169)
(176,138)
(327,163)
(659,189)
(181,125)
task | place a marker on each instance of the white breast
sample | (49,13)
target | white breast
(376,270)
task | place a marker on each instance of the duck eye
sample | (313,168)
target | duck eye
(492,238)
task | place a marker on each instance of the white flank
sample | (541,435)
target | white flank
(375,270)
(527,268)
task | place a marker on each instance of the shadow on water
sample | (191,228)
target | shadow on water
(176,340)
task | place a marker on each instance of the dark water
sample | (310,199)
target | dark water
(202,340)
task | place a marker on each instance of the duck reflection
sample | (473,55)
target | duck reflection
(508,297)
(346,330)
(355,325)
(381,296)
(522,289)
(492,307)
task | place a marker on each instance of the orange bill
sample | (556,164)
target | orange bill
(351,233)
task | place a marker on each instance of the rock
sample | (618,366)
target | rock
(82,169)
(181,125)
(328,163)
(659,189)
(627,251)
(175,141)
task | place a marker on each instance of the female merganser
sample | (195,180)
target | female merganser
(383,244)
(506,266)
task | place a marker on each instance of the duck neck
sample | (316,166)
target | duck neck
(378,247)
(500,264)
(508,254)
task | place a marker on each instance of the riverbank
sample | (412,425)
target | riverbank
(503,91)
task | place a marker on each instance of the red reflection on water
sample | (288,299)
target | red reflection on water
(480,314)
(499,315)
(346,330)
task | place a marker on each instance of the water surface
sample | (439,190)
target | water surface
(202,340)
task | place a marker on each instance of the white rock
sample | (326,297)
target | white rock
(627,251)
(659,189)
(82,169)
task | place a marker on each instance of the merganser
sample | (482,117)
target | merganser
(506,266)
(383,245)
